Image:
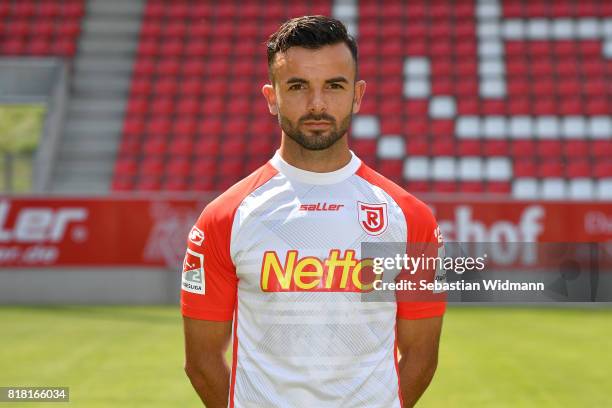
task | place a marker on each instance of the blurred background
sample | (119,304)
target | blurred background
(121,119)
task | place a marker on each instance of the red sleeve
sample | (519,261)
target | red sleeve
(209,281)
(208,285)
(423,234)
(423,238)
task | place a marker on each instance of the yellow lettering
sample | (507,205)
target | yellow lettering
(356,272)
(300,273)
(331,264)
(347,263)
(283,276)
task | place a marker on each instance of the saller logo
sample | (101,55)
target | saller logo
(333,274)
(372,217)
(321,207)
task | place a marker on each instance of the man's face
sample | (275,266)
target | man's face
(314,94)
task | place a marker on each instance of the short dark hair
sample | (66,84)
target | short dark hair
(311,32)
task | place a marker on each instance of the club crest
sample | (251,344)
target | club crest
(372,217)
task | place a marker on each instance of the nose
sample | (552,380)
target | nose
(316,103)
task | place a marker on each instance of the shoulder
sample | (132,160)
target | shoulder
(418,214)
(223,208)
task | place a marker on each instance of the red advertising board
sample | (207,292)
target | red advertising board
(43,232)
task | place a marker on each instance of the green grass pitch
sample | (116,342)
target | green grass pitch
(133,356)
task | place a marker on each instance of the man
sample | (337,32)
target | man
(273,263)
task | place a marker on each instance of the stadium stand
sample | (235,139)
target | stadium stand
(195,119)
(39,28)
(476,97)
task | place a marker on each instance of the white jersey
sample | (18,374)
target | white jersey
(280,254)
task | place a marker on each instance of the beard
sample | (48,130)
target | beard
(318,139)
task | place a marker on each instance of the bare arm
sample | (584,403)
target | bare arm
(418,342)
(205,345)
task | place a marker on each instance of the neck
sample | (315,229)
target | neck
(319,161)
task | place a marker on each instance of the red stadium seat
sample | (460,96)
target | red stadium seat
(121,183)
(171,48)
(471,187)
(40,47)
(524,167)
(178,168)
(140,87)
(137,106)
(392,169)
(176,184)
(184,127)
(188,106)
(177,10)
(43,29)
(550,168)
(417,186)
(578,168)
(202,183)
(166,87)
(204,167)
(159,127)
(150,29)
(469,148)
(148,183)
(498,187)
(49,9)
(603,168)
(196,48)
(175,30)
(155,146)
(74,9)
(152,166)
(126,167)
(133,127)
(444,187)
(129,147)
(231,168)
(549,148)
(162,106)
(206,147)
(601,149)
(144,67)
(169,67)
(194,67)
(181,147)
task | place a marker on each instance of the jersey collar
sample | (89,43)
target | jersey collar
(311,177)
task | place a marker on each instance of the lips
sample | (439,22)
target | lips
(317,124)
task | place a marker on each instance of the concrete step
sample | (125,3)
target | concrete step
(91,149)
(113,25)
(79,127)
(109,65)
(115,7)
(96,76)
(124,47)
(102,108)
(70,166)
(78,186)
(101,85)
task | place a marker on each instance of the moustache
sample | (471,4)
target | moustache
(317,118)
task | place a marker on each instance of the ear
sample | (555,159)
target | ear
(268,92)
(360,87)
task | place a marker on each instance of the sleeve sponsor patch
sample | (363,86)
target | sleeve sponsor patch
(193,273)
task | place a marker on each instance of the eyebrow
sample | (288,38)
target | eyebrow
(295,80)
